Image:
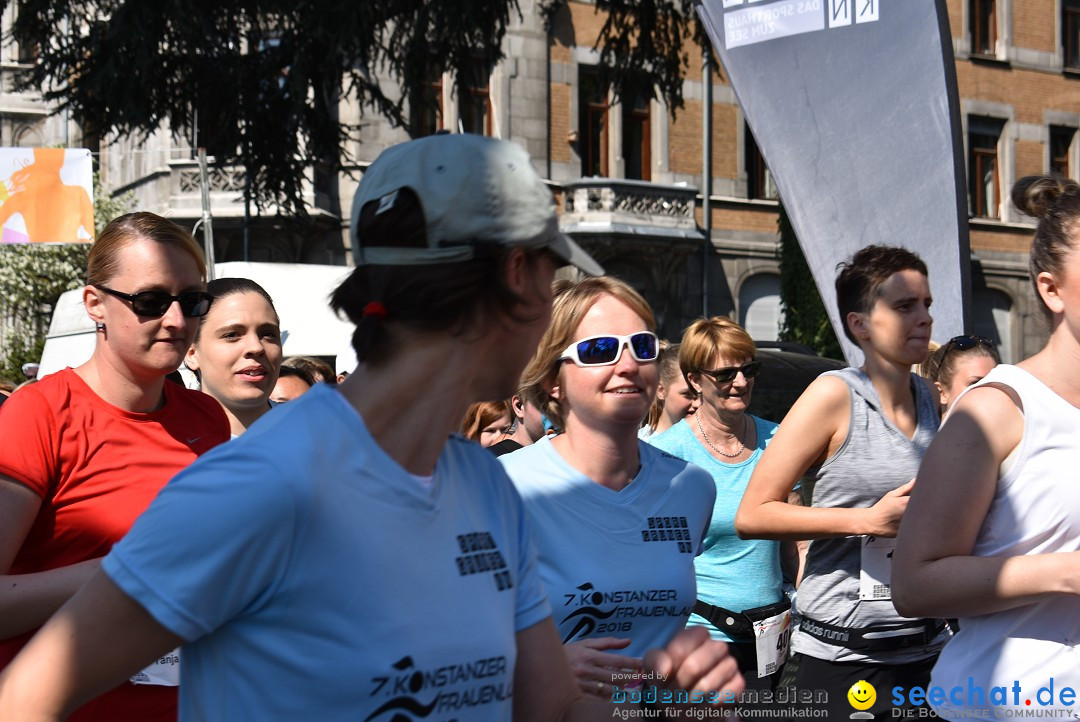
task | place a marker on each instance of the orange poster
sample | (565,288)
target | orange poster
(46,195)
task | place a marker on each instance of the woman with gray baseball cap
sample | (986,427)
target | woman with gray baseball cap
(348,558)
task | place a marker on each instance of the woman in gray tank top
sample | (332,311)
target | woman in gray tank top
(857,436)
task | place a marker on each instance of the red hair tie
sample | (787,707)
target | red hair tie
(374,308)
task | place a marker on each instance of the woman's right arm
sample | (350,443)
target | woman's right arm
(813,429)
(27,600)
(51,676)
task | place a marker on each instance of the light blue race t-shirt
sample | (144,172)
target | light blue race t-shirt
(615,564)
(733,573)
(314,579)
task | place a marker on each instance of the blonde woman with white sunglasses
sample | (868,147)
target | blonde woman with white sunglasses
(617,523)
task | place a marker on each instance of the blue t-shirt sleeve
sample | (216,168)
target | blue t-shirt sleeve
(532,599)
(214,541)
(708,488)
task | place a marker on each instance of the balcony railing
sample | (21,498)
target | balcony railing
(169,185)
(667,210)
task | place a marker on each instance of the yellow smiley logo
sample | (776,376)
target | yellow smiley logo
(862,695)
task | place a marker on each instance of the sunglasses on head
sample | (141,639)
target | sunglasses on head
(967,342)
(605,350)
(154,304)
(728,374)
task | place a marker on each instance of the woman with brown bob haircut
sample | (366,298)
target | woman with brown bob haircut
(739,581)
(86,449)
(608,511)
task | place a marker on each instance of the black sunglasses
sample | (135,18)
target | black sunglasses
(967,342)
(728,374)
(154,304)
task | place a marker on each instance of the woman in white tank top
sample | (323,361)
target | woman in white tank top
(992,532)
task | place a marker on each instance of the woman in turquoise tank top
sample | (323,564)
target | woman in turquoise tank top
(740,598)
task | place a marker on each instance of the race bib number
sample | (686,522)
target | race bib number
(771,637)
(875,577)
(165,672)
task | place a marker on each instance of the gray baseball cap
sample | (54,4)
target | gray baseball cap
(472,189)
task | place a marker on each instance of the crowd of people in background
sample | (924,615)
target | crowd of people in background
(640,532)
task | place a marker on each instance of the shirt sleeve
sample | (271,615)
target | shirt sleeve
(214,541)
(29,441)
(708,501)
(532,599)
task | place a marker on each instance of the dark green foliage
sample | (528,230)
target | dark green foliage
(18,352)
(262,79)
(32,277)
(805,318)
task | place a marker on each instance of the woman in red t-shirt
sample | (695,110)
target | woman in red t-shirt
(86,449)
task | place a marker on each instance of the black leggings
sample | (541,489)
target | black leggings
(745,654)
(836,678)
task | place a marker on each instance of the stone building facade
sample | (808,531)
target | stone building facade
(629,177)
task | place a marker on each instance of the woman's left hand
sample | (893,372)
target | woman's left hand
(695,663)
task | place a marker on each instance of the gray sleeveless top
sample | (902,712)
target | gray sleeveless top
(875,458)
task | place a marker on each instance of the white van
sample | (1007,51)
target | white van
(301,293)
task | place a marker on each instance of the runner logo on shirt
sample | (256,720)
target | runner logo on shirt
(669,528)
(588,618)
(447,688)
(480,554)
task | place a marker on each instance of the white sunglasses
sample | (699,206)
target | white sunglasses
(605,350)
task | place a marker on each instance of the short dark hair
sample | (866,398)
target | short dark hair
(316,368)
(222,287)
(298,373)
(859,282)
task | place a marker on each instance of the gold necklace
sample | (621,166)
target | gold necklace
(742,443)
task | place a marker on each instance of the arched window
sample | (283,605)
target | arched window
(759,306)
(992,317)
(27,136)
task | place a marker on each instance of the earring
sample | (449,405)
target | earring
(100,326)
